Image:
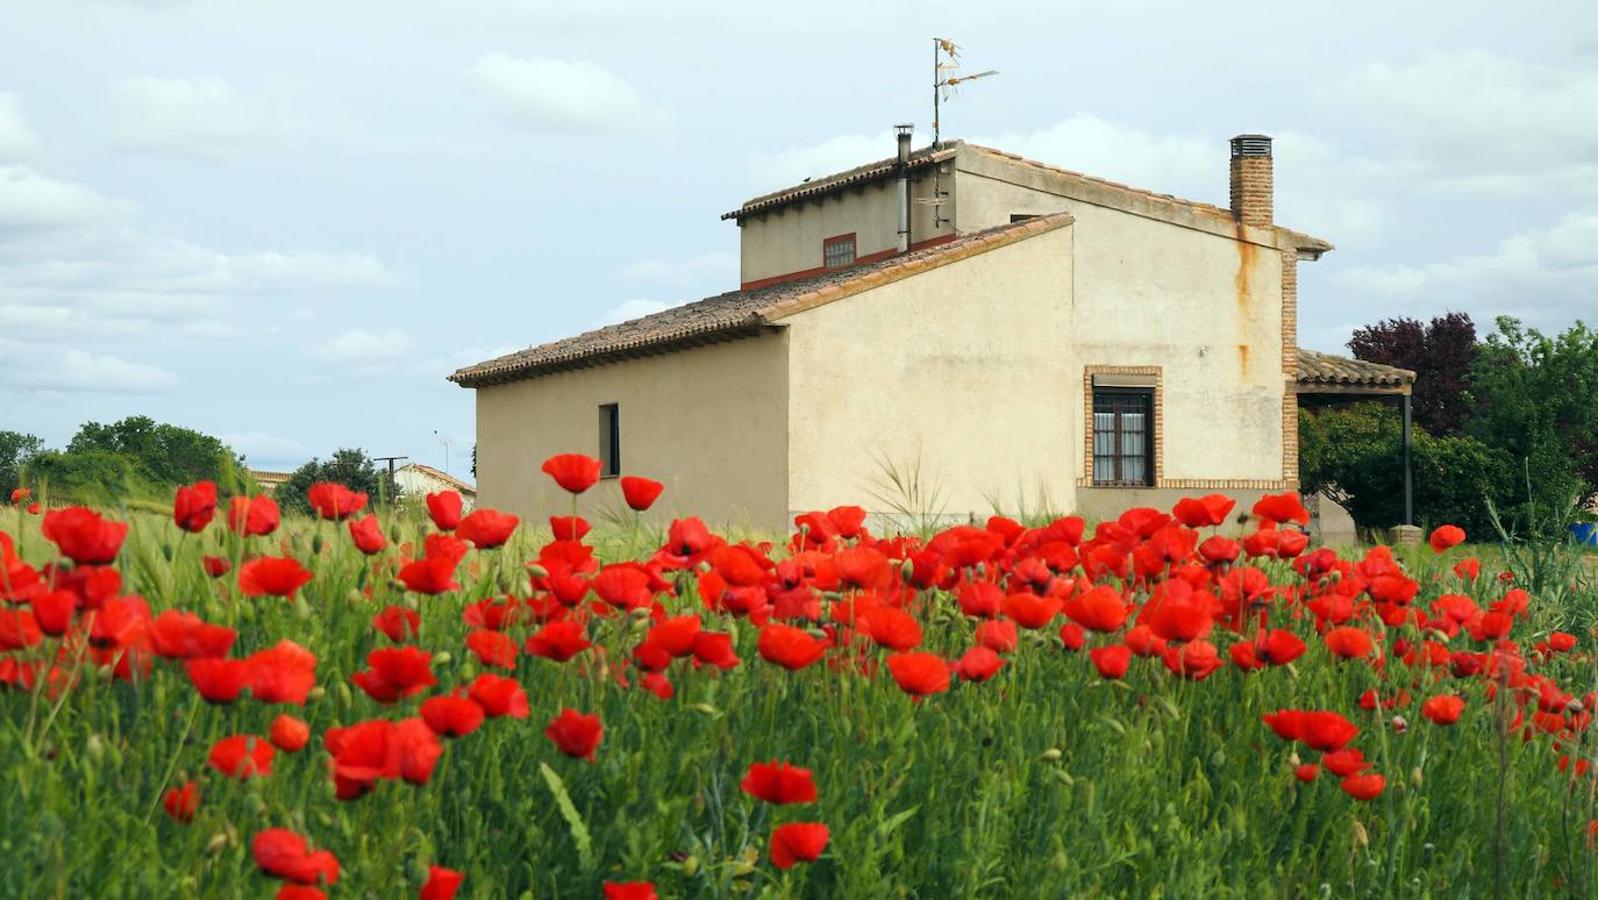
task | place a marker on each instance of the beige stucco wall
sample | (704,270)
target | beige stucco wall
(790,240)
(1181,292)
(709,422)
(963,368)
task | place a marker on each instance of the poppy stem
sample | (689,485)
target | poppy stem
(172,763)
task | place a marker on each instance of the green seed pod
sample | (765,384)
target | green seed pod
(316,544)
(216,844)
(345,697)
(1052,754)
(166,551)
(317,693)
(442,658)
(705,708)
(94,747)
(690,865)
(302,608)
(1416,777)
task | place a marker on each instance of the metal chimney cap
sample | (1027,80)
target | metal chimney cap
(906,128)
(1255,145)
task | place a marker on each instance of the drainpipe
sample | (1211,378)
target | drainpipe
(902,132)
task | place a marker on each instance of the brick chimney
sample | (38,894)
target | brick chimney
(1251,179)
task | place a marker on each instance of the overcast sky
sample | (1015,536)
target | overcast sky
(285,221)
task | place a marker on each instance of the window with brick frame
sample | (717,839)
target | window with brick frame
(1123,436)
(839,251)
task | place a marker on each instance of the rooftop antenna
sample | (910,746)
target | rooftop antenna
(446,441)
(945,60)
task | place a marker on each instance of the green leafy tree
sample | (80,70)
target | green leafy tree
(99,477)
(16,449)
(1354,454)
(349,467)
(165,455)
(1537,399)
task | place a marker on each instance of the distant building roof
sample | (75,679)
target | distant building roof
(738,313)
(856,177)
(269,480)
(440,475)
(1326,373)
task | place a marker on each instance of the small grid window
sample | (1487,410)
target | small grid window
(1123,437)
(837,252)
(610,440)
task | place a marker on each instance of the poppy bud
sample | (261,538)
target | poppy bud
(215,845)
(1416,777)
(1574,706)
(345,697)
(703,567)
(537,571)
(412,602)
(1051,755)
(94,747)
(706,709)
(690,866)
(907,569)
(317,693)
(442,658)
(316,545)
(254,804)
(1360,836)
(1065,777)
(166,551)
(301,608)
(1400,725)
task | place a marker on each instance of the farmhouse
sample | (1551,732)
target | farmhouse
(953,330)
(418,480)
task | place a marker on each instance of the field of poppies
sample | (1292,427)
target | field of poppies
(393,701)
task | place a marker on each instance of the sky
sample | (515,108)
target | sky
(284,222)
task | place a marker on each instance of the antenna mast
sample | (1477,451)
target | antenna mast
(942,83)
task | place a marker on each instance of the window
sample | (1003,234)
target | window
(610,440)
(1123,437)
(1021,217)
(837,252)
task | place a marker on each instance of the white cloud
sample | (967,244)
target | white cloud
(204,116)
(17,138)
(1192,166)
(1546,275)
(562,95)
(78,371)
(363,348)
(32,202)
(782,168)
(717,268)
(259,445)
(633,309)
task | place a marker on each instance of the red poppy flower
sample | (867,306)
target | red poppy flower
(367,751)
(1444,709)
(499,696)
(1217,549)
(979,664)
(640,493)
(624,585)
(1098,608)
(715,649)
(195,506)
(181,803)
(395,673)
(1073,637)
(1306,772)
(83,536)
(569,528)
(1111,662)
(289,734)
(980,599)
(575,734)
(890,627)
(283,854)
(284,673)
(242,757)
(1364,787)
(675,635)
(798,842)
(398,623)
(335,501)
(1205,511)
(1562,642)
(487,528)
(444,508)
(452,716)
(441,883)
(430,575)
(1030,611)
(218,680)
(1345,762)
(494,648)
(1195,660)
(1280,647)
(789,647)
(779,783)
(1288,724)
(18,630)
(278,576)
(1283,507)
(998,635)
(367,534)
(1445,536)
(216,566)
(574,472)
(630,890)
(559,641)
(18,495)
(253,516)
(919,674)
(1326,731)
(1349,642)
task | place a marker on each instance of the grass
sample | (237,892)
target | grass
(1047,781)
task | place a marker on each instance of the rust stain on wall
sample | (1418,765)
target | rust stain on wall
(1242,357)
(1241,281)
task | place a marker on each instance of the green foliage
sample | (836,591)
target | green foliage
(163,454)
(16,449)
(1354,453)
(349,467)
(1535,399)
(100,477)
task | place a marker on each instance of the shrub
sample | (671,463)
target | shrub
(349,467)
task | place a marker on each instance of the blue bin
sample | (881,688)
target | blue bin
(1585,533)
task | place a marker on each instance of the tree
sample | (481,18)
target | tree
(1354,454)
(1535,399)
(163,454)
(349,467)
(1440,353)
(16,450)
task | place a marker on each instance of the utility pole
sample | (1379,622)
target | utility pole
(390,460)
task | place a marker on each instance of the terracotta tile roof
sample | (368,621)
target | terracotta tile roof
(815,187)
(1325,370)
(443,476)
(738,314)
